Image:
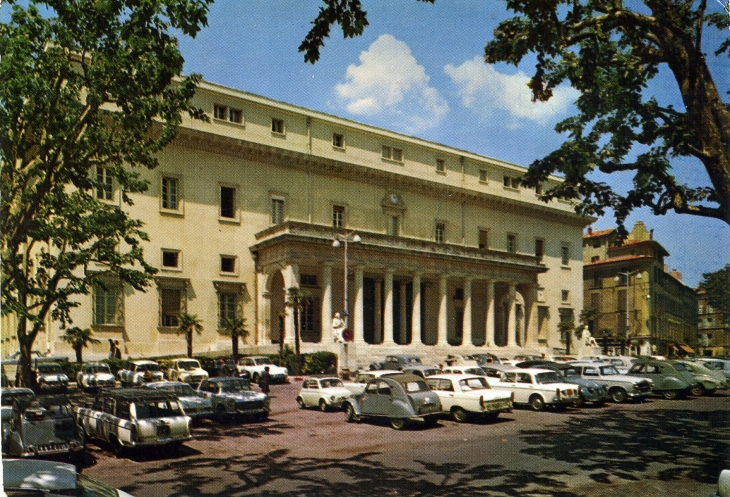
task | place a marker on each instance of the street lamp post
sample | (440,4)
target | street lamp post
(617,279)
(351,237)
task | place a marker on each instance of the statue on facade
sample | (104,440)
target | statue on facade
(587,338)
(338,326)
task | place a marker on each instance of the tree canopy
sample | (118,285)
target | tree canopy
(89,88)
(716,286)
(609,51)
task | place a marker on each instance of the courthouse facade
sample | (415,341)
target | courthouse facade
(445,253)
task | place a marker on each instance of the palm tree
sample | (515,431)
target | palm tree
(188,323)
(567,328)
(78,338)
(297,298)
(236,328)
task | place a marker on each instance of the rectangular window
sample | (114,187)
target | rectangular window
(483,176)
(565,295)
(170,306)
(440,166)
(511,182)
(392,153)
(539,248)
(277,211)
(538,189)
(227,307)
(565,254)
(595,258)
(338,216)
(103,183)
(228,202)
(512,244)
(338,141)
(170,192)
(483,239)
(393,225)
(308,280)
(596,280)
(170,259)
(277,126)
(106,303)
(228,264)
(440,230)
(220,111)
(235,116)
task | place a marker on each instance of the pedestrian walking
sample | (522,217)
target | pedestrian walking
(264,380)
(112,349)
(117,350)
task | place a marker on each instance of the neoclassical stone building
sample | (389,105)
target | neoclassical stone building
(446,253)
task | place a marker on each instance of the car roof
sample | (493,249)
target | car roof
(38,473)
(156,384)
(454,376)
(132,394)
(225,379)
(531,370)
(379,372)
(146,361)
(404,377)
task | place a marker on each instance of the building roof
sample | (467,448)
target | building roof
(621,258)
(599,233)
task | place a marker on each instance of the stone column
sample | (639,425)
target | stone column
(263,321)
(402,320)
(416,336)
(291,279)
(511,317)
(378,308)
(358,323)
(466,326)
(443,324)
(530,295)
(388,309)
(326,307)
(489,337)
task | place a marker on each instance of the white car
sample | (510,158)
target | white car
(139,372)
(95,375)
(327,392)
(464,395)
(538,388)
(357,385)
(255,366)
(186,370)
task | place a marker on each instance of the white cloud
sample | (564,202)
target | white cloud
(390,84)
(485,90)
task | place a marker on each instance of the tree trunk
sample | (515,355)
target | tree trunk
(297,335)
(189,339)
(234,345)
(78,351)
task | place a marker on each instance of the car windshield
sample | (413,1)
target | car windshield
(431,372)
(181,390)
(189,365)
(235,386)
(156,409)
(364,378)
(551,377)
(9,398)
(98,368)
(478,371)
(416,386)
(262,361)
(333,383)
(680,367)
(49,368)
(148,367)
(570,372)
(473,384)
(609,370)
(414,360)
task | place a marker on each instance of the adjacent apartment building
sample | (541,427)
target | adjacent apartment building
(440,250)
(635,305)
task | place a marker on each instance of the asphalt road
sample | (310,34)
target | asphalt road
(655,448)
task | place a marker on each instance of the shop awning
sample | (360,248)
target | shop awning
(686,348)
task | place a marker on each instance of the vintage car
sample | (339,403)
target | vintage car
(94,375)
(483,359)
(718,364)
(538,388)
(135,417)
(589,390)
(326,392)
(396,362)
(38,478)
(254,366)
(357,385)
(233,397)
(48,377)
(195,404)
(463,395)
(42,426)
(213,367)
(472,369)
(493,372)
(140,372)
(668,381)
(708,380)
(186,370)
(401,398)
(7,398)
(422,370)
(620,386)
(723,484)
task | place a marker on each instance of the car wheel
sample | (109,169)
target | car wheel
(536,403)
(618,395)
(117,448)
(697,390)
(397,423)
(323,405)
(459,414)
(670,394)
(350,415)
(300,403)
(579,401)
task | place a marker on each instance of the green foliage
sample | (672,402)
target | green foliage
(189,323)
(717,291)
(86,85)
(318,362)
(297,298)
(236,329)
(79,338)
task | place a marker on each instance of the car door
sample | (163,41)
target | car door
(310,392)
(523,387)
(375,398)
(445,390)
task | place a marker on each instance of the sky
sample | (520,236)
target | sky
(418,69)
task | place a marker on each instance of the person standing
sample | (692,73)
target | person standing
(112,349)
(117,350)
(265,380)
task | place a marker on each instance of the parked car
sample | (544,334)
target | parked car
(357,385)
(140,372)
(589,390)
(620,386)
(195,404)
(483,359)
(42,426)
(7,397)
(186,370)
(134,418)
(493,372)
(708,380)
(464,369)
(622,363)
(48,377)
(95,375)
(396,362)
(422,370)
(538,388)
(212,366)
(464,396)
(254,366)
(233,397)
(714,363)
(723,484)
(38,477)
(400,398)
(327,392)
(667,380)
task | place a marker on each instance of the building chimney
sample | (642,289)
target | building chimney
(676,275)
(651,234)
(666,268)
(590,230)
